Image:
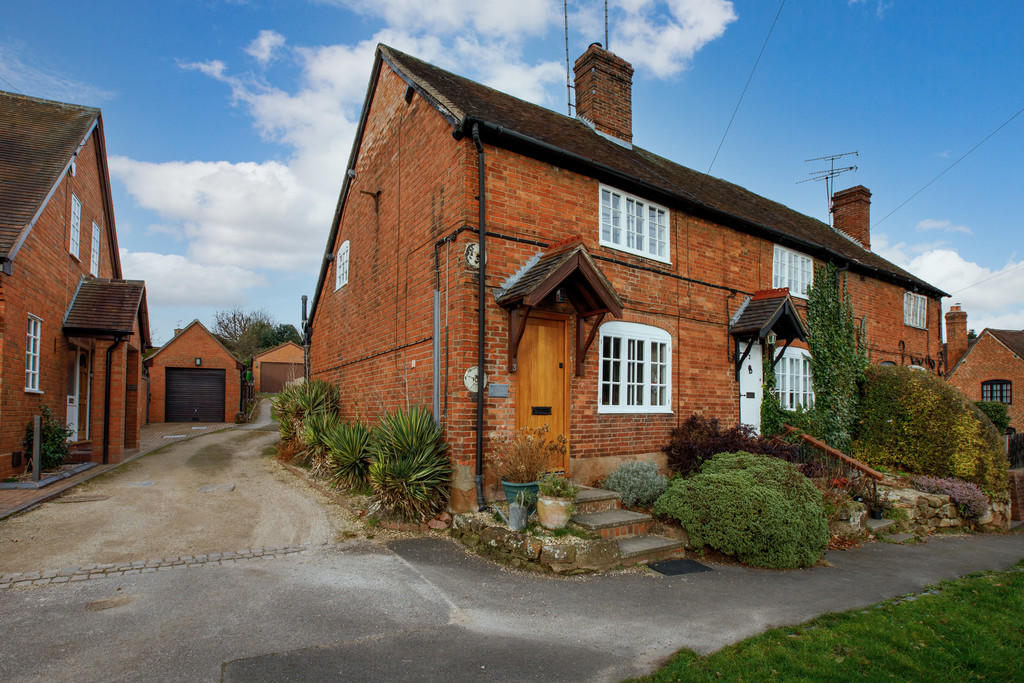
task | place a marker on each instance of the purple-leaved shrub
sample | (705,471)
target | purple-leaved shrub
(968,498)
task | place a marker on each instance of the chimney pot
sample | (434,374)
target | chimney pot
(604,92)
(851,214)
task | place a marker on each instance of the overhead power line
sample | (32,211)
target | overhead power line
(948,168)
(749,79)
(991,277)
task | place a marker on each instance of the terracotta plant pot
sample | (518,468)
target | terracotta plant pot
(554,513)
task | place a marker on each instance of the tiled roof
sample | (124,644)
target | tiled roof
(764,311)
(37,140)
(105,307)
(579,273)
(532,129)
(1013,339)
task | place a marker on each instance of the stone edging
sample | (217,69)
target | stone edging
(53,479)
(100,571)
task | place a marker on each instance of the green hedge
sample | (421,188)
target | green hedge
(915,422)
(996,412)
(758,509)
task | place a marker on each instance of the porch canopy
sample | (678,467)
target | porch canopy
(767,311)
(108,309)
(566,267)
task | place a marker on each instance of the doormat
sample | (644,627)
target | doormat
(675,567)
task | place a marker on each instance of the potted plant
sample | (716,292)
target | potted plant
(521,458)
(556,501)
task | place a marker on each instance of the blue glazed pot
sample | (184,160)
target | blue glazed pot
(512,490)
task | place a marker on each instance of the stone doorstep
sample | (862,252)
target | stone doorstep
(614,523)
(590,500)
(877,526)
(647,548)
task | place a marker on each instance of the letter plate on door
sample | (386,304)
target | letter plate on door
(540,410)
(750,394)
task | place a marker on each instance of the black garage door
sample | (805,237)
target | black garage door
(194,395)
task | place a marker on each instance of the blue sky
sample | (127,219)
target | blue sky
(229,123)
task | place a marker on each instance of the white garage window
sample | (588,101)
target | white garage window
(635,369)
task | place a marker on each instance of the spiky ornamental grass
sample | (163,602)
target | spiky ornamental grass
(349,455)
(410,473)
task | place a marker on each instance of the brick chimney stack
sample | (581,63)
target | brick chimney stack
(956,335)
(604,92)
(851,214)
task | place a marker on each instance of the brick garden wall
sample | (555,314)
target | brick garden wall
(194,342)
(43,284)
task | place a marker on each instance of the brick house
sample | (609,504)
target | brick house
(72,332)
(273,368)
(618,292)
(988,367)
(194,378)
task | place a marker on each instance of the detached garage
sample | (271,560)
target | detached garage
(194,378)
(275,367)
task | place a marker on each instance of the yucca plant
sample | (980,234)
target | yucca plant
(285,408)
(348,454)
(315,429)
(317,396)
(410,473)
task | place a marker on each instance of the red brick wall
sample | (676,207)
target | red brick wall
(990,359)
(194,342)
(43,283)
(373,337)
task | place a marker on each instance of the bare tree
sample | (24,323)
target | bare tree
(242,331)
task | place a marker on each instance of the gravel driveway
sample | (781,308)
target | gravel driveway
(216,493)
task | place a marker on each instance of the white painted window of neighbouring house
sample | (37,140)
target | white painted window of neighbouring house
(76,226)
(32,339)
(635,369)
(915,310)
(341,266)
(793,270)
(94,258)
(635,225)
(793,380)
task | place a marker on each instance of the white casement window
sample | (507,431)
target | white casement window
(94,258)
(341,266)
(634,225)
(915,310)
(793,380)
(793,270)
(635,369)
(32,338)
(76,226)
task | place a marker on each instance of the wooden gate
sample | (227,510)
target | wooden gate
(1015,450)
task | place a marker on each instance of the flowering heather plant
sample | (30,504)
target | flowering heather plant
(968,498)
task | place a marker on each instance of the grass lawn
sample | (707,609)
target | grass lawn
(969,629)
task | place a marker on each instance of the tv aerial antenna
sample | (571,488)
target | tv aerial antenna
(568,72)
(829,175)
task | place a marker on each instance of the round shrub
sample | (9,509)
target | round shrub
(638,483)
(758,509)
(915,422)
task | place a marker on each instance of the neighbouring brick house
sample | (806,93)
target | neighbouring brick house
(621,292)
(194,378)
(72,332)
(273,368)
(989,367)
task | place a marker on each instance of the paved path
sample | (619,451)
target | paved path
(422,609)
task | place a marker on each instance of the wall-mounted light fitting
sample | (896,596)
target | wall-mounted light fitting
(199,361)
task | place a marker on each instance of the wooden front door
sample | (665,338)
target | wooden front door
(542,396)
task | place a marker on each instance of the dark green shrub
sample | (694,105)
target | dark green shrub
(638,483)
(759,509)
(915,422)
(410,473)
(996,412)
(53,440)
(348,452)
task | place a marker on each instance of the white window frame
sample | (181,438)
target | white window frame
(341,266)
(792,270)
(915,310)
(794,386)
(75,244)
(33,345)
(94,251)
(625,223)
(642,366)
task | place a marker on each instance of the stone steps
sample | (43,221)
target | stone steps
(879,526)
(596,500)
(648,548)
(614,523)
(601,512)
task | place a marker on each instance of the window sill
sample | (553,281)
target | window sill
(608,410)
(641,254)
(906,324)
(34,391)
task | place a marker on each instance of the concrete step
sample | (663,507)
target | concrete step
(648,548)
(590,499)
(878,526)
(614,523)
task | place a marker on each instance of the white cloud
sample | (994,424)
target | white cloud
(944,226)
(175,280)
(991,296)
(664,37)
(265,45)
(39,81)
(496,18)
